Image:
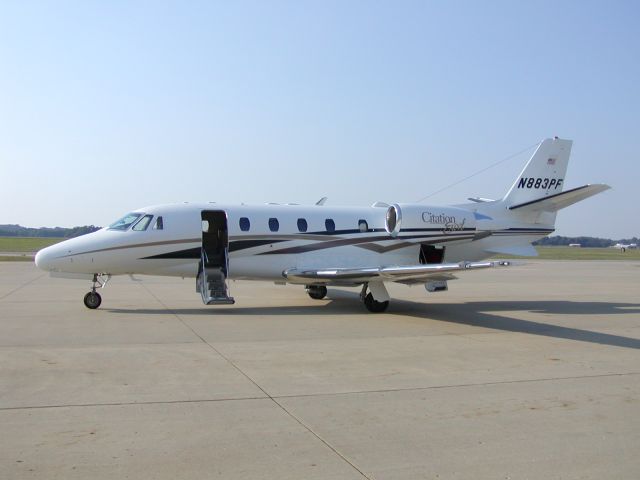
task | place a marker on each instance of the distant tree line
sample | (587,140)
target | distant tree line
(592,242)
(55,232)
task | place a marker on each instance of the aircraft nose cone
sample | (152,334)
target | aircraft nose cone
(44,259)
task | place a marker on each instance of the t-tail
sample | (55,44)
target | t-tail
(532,202)
(538,192)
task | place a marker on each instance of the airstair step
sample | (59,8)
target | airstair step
(212,286)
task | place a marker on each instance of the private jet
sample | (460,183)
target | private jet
(625,246)
(319,246)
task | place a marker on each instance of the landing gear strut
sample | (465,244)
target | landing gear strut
(317,292)
(370,302)
(93,299)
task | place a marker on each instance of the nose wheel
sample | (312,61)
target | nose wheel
(93,299)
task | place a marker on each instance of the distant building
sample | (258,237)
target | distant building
(575,245)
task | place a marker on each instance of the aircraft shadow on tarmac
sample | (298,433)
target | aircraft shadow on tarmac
(477,314)
(480,314)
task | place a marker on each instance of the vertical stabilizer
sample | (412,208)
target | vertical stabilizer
(544,173)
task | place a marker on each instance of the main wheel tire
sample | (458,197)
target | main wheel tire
(317,292)
(374,306)
(92,300)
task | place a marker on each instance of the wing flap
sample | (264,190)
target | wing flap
(395,273)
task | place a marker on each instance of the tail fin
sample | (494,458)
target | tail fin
(543,175)
(537,194)
(528,210)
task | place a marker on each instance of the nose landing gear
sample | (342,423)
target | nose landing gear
(93,299)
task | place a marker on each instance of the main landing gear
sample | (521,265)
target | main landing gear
(374,295)
(376,299)
(93,299)
(317,292)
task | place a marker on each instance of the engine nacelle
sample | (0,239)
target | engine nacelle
(416,217)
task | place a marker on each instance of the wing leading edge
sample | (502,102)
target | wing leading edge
(397,273)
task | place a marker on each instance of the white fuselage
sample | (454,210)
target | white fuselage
(319,245)
(305,237)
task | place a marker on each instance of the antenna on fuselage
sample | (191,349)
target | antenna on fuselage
(322,201)
(479,172)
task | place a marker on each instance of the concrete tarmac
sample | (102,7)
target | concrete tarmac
(531,372)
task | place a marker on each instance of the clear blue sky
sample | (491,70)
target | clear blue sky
(110,106)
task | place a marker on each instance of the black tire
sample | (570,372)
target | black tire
(92,300)
(317,292)
(373,306)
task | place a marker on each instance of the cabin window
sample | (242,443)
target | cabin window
(159,225)
(302,225)
(143,224)
(245,224)
(125,222)
(274,225)
(330,225)
(363,226)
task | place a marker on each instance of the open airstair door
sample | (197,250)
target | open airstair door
(214,259)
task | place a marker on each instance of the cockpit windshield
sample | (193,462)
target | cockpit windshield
(142,225)
(125,222)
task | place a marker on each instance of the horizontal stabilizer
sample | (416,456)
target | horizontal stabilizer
(553,203)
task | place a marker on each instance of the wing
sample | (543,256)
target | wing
(399,273)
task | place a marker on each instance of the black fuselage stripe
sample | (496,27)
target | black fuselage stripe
(188,254)
(367,240)
(361,241)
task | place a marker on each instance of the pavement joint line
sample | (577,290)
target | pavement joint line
(177,316)
(288,413)
(460,385)
(92,345)
(269,396)
(131,404)
(287,397)
(22,286)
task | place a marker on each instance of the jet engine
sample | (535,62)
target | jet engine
(407,217)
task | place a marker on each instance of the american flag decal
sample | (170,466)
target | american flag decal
(551,161)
